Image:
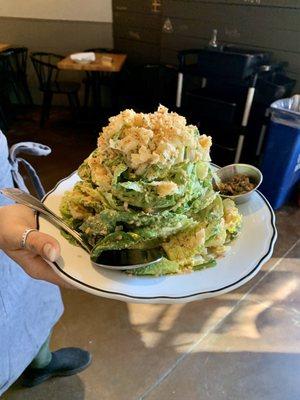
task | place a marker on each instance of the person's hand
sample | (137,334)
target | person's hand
(38,247)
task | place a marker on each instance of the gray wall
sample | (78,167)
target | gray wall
(61,37)
(266,24)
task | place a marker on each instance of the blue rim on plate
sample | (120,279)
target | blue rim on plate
(266,256)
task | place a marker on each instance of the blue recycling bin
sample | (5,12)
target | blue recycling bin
(281,162)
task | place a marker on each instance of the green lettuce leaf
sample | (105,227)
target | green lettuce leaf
(164,267)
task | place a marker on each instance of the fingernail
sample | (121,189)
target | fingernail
(50,252)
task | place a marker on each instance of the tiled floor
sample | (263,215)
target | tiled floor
(244,345)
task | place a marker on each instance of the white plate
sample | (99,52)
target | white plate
(248,253)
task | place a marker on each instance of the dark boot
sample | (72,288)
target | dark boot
(64,362)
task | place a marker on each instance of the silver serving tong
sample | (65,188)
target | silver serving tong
(110,259)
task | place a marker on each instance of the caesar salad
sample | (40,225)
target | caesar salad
(149,184)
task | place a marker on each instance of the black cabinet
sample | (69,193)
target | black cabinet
(137,29)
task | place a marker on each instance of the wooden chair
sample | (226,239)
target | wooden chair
(94,81)
(45,65)
(14,66)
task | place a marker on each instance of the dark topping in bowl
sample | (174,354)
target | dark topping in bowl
(237,184)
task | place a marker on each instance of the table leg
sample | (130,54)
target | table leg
(96,92)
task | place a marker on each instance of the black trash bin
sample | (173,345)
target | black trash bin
(273,87)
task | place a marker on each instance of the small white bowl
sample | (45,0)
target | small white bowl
(229,171)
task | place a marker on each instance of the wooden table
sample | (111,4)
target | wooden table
(99,65)
(4,46)
(104,63)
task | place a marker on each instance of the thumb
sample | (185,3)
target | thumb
(44,245)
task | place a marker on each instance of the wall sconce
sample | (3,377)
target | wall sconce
(167,26)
